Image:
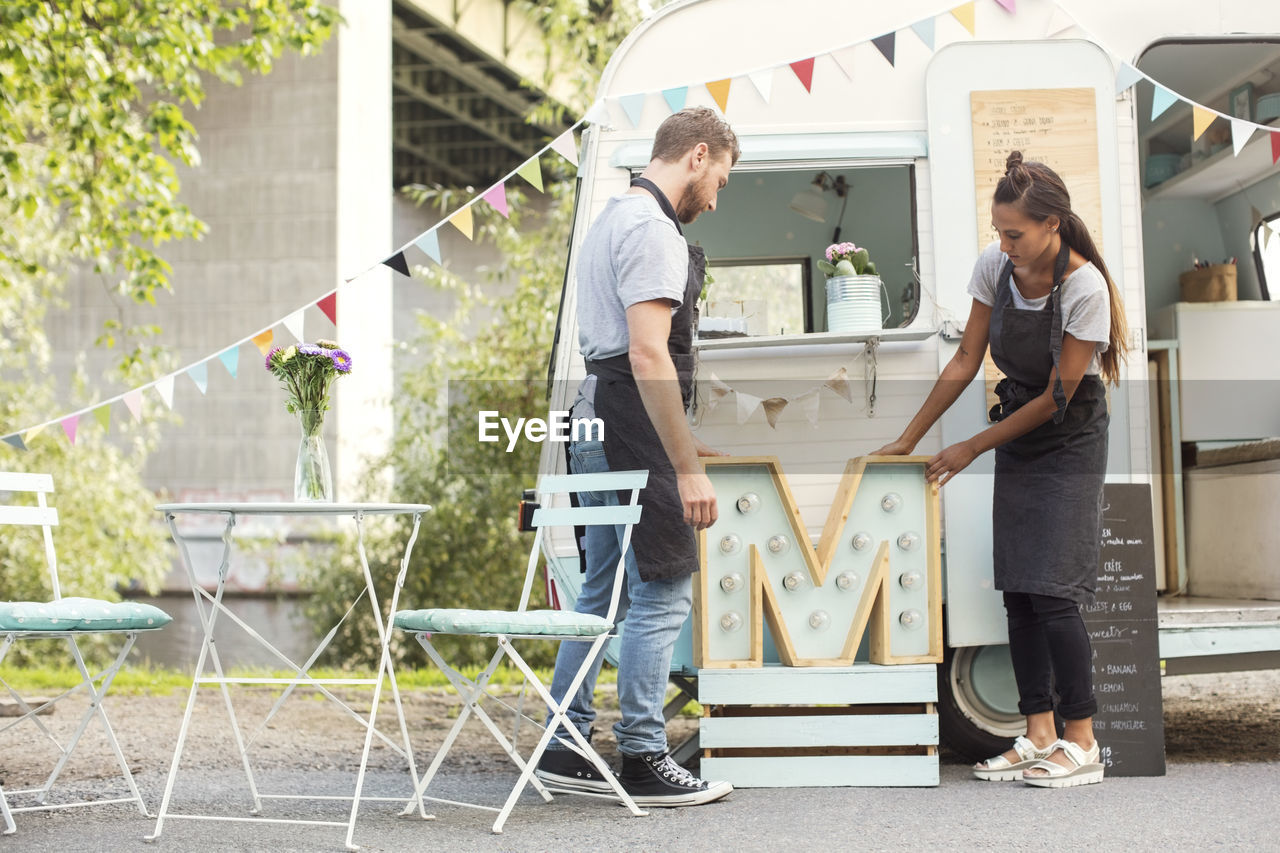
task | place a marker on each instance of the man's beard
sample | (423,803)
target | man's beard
(692,202)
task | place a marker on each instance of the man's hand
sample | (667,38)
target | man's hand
(699,500)
(704,450)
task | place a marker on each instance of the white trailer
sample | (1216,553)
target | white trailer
(916,129)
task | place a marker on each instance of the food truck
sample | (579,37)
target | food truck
(887,125)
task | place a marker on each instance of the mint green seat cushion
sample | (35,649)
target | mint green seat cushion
(557,623)
(80,614)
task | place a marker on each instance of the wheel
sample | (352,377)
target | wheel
(978,701)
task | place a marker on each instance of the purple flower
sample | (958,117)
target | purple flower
(341,360)
(310,349)
(271,355)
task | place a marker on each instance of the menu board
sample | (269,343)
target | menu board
(1122,629)
(1057,127)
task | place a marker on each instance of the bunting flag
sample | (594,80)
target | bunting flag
(747,405)
(164,387)
(804,71)
(844,60)
(32,433)
(884,44)
(676,97)
(263,340)
(1059,22)
(633,106)
(531,171)
(763,81)
(924,29)
(69,427)
(719,90)
(103,416)
(428,243)
(839,382)
(1201,119)
(1240,132)
(496,196)
(964,14)
(811,402)
(566,146)
(773,408)
(15,441)
(398,263)
(295,324)
(1255,217)
(230,358)
(1126,77)
(133,402)
(199,374)
(717,392)
(328,305)
(1010,6)
(1275,147)
(597,113)
(461,219)
(1161,100)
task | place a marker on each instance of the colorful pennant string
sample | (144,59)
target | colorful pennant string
(632,106)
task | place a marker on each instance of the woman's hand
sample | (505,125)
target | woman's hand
(897,447)
(949,462)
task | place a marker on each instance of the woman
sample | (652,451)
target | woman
(1043,299)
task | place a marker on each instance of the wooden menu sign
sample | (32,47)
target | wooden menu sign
(1057,127)
(1122,629)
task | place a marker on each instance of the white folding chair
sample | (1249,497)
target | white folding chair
(64,619)
(523,624)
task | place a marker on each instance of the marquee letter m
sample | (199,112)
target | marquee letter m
(877,564)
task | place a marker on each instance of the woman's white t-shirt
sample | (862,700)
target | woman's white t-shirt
(1086,302)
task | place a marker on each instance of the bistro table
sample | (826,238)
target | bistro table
(210,606)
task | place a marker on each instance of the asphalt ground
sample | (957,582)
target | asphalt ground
(1232,806)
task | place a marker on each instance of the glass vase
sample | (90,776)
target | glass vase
(312,478)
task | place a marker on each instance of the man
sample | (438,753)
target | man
(638,282)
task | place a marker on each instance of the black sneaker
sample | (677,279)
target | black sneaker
(565,770)
(655,779)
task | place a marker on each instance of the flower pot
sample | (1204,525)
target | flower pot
(312,477)
(854,303)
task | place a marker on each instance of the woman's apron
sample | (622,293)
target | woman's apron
(1047,513)
(665,546)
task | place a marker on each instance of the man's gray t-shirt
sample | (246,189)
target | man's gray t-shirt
(1086,301)
(633,253)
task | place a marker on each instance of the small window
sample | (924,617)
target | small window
(764,296)
(1266,254)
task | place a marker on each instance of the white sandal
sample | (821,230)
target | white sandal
(1086,769)
(1001,769)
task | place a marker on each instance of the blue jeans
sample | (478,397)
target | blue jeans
(655,611)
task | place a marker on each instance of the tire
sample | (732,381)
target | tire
(978,701)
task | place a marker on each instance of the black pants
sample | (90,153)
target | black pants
(1050,648)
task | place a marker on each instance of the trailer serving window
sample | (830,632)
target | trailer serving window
(773,223)
(1266,255)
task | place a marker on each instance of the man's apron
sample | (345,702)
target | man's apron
(1047,513)
(665,545)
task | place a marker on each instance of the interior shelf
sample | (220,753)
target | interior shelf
(883,335)
(1220,174)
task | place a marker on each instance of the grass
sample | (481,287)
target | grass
(140,680)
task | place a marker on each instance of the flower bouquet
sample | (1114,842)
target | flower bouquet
(307,372)
(847,259)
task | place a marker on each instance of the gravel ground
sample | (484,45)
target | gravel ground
(1215,724)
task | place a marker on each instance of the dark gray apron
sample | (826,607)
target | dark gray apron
(664,545)
(1047,513)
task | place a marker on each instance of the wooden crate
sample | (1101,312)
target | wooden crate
(863,725)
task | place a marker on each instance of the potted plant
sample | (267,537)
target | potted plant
(854,289)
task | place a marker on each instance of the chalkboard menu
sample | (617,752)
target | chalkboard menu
(1122,628)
